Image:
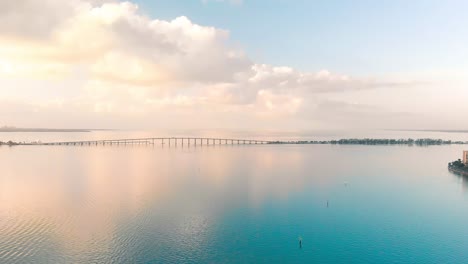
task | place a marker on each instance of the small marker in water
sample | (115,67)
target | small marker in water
(327,203)
(300,242)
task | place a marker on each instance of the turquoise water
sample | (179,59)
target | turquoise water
(232,204)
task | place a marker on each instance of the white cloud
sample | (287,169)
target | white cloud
(131,64)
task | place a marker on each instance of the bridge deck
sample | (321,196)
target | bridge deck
(195,141)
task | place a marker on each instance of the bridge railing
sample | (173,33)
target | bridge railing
(195,141)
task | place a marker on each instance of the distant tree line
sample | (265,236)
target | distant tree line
(458,164)
(458,167)
(373,141)
(13,143)
(10,143)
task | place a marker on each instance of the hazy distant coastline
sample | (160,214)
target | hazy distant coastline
(16,129)
(431,130)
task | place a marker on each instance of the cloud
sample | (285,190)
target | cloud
(131,64)
(105,36)
(41,16)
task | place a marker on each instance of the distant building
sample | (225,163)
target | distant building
(465,157)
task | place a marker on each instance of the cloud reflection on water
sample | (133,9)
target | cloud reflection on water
(79,204)
(86,195)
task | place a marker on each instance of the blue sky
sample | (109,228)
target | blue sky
(359,37)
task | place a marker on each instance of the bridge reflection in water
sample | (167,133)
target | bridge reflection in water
(170,141)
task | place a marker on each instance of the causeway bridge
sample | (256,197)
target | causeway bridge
(169,141)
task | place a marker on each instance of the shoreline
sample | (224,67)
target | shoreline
(457,171)
(43,130)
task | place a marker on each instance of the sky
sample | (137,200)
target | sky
(234,64)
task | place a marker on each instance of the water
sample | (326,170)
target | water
(232,204)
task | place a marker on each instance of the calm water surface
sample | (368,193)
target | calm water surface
(232,204)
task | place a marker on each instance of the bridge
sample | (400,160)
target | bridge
(170,141)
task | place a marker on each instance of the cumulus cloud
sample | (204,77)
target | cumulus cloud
(105,36)
(131,63)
